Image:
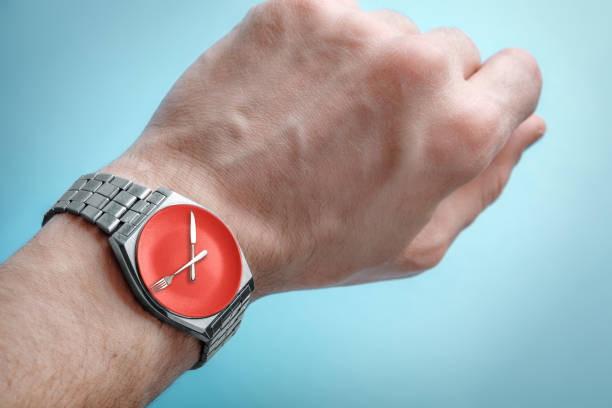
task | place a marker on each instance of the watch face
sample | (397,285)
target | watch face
(165,246)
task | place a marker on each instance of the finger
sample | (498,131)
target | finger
(462,207)
(511,80)
(396,20)
(458,46)
(458,210)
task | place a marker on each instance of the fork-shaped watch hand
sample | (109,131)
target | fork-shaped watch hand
(164,282)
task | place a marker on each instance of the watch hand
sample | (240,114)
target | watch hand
(164,282)
(193,242)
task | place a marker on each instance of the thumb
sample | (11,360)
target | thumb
(461,207)
(467,202)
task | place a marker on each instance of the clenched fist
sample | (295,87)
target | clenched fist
(341,146)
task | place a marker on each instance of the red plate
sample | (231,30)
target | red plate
(164,246)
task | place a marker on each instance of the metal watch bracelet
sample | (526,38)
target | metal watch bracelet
(118,206)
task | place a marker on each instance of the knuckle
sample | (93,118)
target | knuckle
(389,14)
(459,34)
(454,37)
(416,62)
(429,56)
(449,32)
(465,141)
(362,26)
(470,48)
(526,61)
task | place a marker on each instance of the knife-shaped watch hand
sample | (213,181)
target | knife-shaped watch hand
(192,275)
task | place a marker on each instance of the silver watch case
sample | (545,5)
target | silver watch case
(125,246)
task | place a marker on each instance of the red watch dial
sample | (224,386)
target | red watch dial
(164,246)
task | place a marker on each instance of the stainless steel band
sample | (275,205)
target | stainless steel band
(117,205)
(225,325)
(108,201)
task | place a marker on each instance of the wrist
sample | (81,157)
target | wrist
(182,173)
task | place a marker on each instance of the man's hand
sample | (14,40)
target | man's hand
(342,146)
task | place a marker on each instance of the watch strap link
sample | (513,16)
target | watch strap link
(225,325)
(108,201)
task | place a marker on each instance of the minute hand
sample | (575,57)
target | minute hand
(192,233)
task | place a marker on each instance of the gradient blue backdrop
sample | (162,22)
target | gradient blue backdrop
(518,314)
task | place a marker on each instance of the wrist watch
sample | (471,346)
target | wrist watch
(180,260)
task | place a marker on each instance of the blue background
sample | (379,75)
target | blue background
(518,314)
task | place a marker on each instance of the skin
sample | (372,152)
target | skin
(306,126)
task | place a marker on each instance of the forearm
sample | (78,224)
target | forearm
(72,333)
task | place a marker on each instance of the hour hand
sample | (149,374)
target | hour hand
(192,234)
(164,282)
